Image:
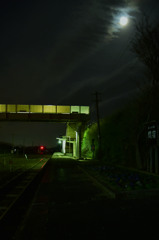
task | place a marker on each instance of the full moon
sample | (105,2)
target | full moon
(123,21)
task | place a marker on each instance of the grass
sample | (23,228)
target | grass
(12,164)
(124,179)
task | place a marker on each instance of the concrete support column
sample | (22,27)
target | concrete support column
(75,131)
(74,149)
(79,136)
(64,146)
(71,133)
(77,145)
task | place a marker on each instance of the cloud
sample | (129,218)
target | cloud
(95,23)
(92,23)
(109,81)
(56,39)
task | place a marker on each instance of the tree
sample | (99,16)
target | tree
(146,46)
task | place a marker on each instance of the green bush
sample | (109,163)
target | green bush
(123,134)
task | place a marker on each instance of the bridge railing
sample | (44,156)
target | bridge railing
(46,109)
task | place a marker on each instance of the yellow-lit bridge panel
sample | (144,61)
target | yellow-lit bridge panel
(51,109)
(63,109)
(23,108)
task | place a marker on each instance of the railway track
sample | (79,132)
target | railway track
(13,190)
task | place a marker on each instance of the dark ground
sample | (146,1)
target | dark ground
(68,205)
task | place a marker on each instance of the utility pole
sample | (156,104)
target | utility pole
(98,120)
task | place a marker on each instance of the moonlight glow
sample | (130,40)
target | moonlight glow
(123,21)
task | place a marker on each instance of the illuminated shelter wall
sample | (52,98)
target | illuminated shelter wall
(53,109)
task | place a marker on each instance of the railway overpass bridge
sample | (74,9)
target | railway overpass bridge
(75,117)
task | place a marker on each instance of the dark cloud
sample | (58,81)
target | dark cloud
(93,27)
(56,37)
(60,52)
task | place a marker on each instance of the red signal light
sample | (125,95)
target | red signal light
(41,147)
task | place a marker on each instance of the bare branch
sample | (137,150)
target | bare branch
(146,46)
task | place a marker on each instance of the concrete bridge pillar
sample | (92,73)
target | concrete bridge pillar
(74,135)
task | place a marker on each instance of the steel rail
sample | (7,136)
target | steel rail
(14,189)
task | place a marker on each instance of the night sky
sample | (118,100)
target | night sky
(61,52)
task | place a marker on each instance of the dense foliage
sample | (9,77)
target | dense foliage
(124,133)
